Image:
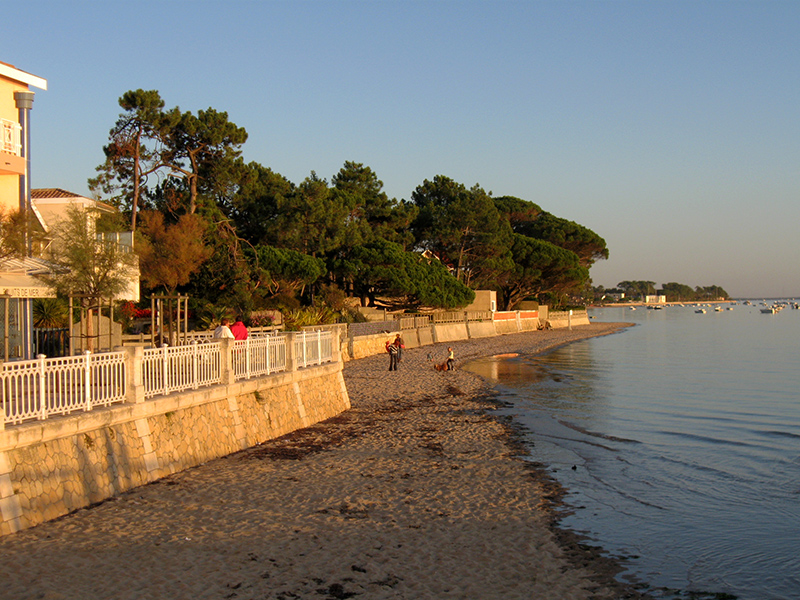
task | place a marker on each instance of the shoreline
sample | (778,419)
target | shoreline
(418,491)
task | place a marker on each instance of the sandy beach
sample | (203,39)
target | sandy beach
(417,492)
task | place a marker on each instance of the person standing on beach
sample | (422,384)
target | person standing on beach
(224,330)
(451,360)
(392,350)
(398,343)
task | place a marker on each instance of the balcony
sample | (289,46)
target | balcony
(11,161)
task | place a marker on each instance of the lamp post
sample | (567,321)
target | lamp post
(24,101)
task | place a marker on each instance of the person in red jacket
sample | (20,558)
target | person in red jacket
(239,330)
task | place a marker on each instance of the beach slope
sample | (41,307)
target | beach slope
(417,492)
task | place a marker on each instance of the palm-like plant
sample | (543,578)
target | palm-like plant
(50,313)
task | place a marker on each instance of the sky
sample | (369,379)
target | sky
(671,129)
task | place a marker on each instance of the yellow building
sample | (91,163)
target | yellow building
(17,286)
(16,101)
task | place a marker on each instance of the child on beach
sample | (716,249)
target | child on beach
(451,360)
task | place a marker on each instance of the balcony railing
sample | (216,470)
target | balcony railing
(10,137)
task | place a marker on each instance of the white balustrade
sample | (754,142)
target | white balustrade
(258,356)
(174,369)
(37,389)
(313,348)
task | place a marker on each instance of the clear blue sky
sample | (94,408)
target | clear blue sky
(672,129)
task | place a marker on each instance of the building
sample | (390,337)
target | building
(52,205)
(41,209)
(18,287)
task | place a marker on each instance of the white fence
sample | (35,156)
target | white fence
(37,389)
(258,356)
(312,348)
(167,370)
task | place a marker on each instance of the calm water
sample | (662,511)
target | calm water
(684,435)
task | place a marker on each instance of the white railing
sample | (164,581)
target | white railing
(37,389)
(313,348)
(196,336)
(10,140)
(174,369)
(257,356)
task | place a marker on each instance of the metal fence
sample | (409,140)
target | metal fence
(37,389)
(259,356)
(173,369)
(51,341)
(313,348)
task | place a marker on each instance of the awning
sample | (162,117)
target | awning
(17,280)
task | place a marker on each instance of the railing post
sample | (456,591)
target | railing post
(42,380)
(305,358)
(134,373)
(336,345)
(2,418)
(291,354)
(267,351)
(195,358)
(227,375)
(247,357)
(319,346)
(87,382)
(165,367)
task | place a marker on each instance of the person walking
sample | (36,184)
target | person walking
(451,360)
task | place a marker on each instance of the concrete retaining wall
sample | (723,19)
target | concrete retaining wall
(449,332)
(440,333)
(425,335)
(561,319)
(479,329)
(53,467)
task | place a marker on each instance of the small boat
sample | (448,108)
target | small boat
(769,310)
(700,311)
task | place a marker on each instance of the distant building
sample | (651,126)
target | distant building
(485,300)
(655,299)
(51,205)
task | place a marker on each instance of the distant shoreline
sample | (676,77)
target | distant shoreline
(682,303)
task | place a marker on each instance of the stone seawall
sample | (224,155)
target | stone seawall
(441,333)
(53,467)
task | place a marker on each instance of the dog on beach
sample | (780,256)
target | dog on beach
(440,366)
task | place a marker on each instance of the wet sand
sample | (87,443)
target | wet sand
(417,492)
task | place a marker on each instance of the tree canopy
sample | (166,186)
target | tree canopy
(244,235)
(86,265)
